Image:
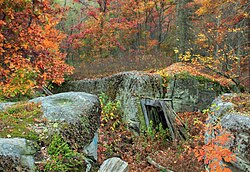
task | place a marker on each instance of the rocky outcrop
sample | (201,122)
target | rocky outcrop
(75,116)
(189,93)
(114,164)
(126,87)
(16,154)
(238,124)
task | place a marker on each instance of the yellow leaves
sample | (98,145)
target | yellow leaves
(234,30)
(150,4)
(202,37)
(25,45)
(185,57)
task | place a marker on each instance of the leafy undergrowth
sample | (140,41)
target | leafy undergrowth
(241,102)
(152,151)
(116,140)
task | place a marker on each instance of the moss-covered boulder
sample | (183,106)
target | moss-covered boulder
(75,114)
(59,125)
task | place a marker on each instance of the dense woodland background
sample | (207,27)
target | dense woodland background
(100,37)
(45,42)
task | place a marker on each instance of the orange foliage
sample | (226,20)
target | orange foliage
(113,26)
(221,38)
(196,70)
(29,46)
(214,151)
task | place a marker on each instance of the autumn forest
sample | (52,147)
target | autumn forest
(41,40)
(44,43)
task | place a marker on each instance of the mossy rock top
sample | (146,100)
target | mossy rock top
(70,107)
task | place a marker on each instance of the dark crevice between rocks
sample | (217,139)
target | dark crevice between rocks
(161,113)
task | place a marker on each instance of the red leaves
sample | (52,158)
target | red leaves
(30,49)
(120,26)
(92,13)
(215,151)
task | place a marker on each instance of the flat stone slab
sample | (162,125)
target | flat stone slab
(114,165)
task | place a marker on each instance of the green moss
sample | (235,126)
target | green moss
(63,101)
(17,120)
(204,83)
(143,126)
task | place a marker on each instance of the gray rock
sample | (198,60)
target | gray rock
(76,115)
(91,149)
(133,87)
(114,165)
(189,94)
(69,106)
(236,122)
(126,87)
(239,126)
(129,87)
(5,105)
(16,154)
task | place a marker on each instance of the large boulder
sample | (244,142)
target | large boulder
(126,87)
(236,123)
(75,116)
(191,93)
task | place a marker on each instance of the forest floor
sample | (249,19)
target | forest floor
(153,150)
(137,150)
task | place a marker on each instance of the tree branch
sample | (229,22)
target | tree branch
(152,162)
